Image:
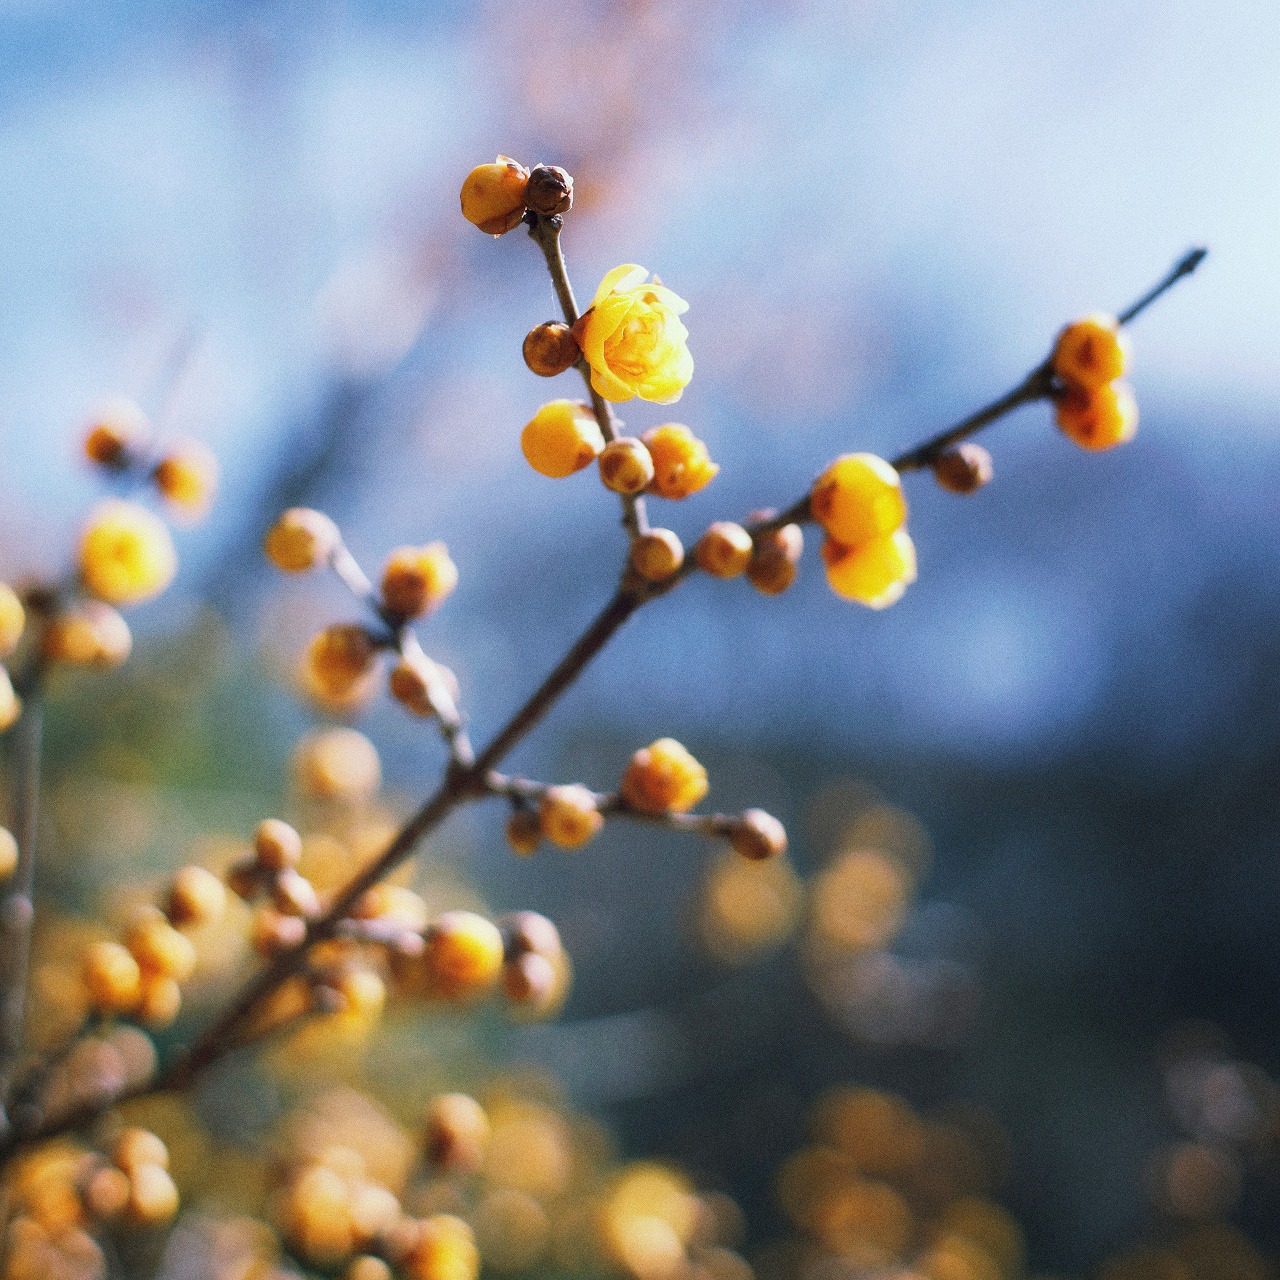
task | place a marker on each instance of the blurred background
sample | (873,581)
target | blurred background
(1062,744)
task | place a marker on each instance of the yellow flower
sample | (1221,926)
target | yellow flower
(126,554)
(632,339)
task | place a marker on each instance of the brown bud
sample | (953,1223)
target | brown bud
(656,555)
(551,348)
(524,832)
(493,195)
(456,1133)
(277,844)
(524,932)
(245,878)
(758,835)
(273,931)
(964,469)
(626,465)
(196,896)
(117,436)
(550,190)
(530,979)
(295,895)
(773,564)
(725,550)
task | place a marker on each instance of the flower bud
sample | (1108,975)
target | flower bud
(10,703)
(530,980)
(681,464)
(135,1147)
(656,555)
(188,477)
(964,469)
(196,897)
(126,553)
(337,764)
(464,953)
(301,539)
(524,832)
(456,1133)
(528,931)
(1091,352)
(8,853)
(773,563)
(113,978)
(277,845)
(161,1001)
(758,835)
(294,895)
(340,659)
(551,348)
(493,195)
(875,573)
(13,618)
(550,190)
(858,497)
(663,778)
(1098,418)
(561,438)
(444,1248)
(569,815)
(626,466)
(160,949)
(117,435)
(105,1193)
(153,1197)
(89,634)
(724,551)
(273,931)
(418,579)
(245,879)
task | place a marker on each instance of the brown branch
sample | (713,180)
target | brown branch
(545,233)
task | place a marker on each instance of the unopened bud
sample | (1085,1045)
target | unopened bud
(656,555)
(295,895)
(550,190)
(493,195)
(964,469)
(758,835)
(773,565)
(626,465)
(551,348)
(301,539)
(724,551)
(524,832)
(277,845)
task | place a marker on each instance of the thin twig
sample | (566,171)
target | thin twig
(545,233)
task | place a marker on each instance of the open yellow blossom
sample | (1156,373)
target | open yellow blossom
(632,339)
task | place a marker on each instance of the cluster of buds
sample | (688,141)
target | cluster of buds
(335,1214)
(62,1193)
(341,666)
(1096,409)
(868,554)
(496,197)
(271,872)
(141,977)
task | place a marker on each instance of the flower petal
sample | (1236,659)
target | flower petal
(620,279)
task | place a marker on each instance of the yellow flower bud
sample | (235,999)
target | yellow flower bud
(89,634)
(113,978)
(135,1147)
(632,339)
(656,555)
(561,438)
(301,539)
(663,778)
(493,195)
(1091,352)
(126,554)
(874,573)
(153,1197)
(273,931)
(8,853)
(10,703)
(724,551)
(117,435)
(550,349)
(337,764)
(681,464)
(160,949)
(161,1001)
(464,954)
(339,659)
(773,562)
(1100,417)
(444,1249)
(13,618)
(417,682)
(626,466)
(569,815)
(188,477)
(294,895)
(858,497)
(418,579)
(456,1133)
(964,469)
(277,845)
(106,1192)
(196,897)
(758,835)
